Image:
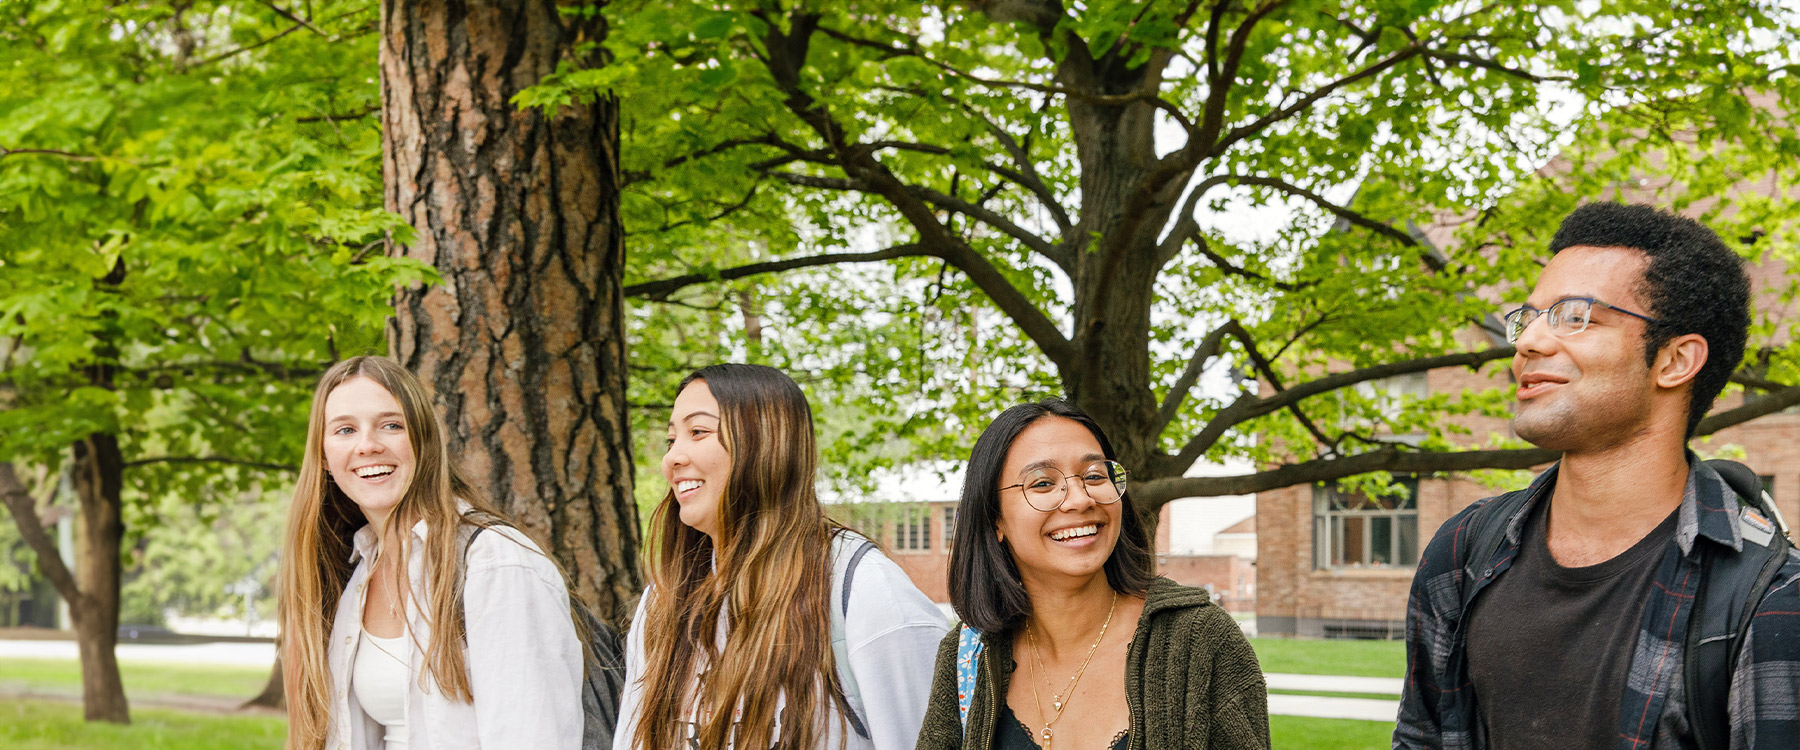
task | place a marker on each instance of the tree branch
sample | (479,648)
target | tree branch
(246,48)
(1156,492)
(1493,65)
(290,16)
(1185,225)
(1249,406)
(783,54)
(1769,404)
(822,183)
(5,152)
(991,218)
(1400,459)
(264,465)
(1224,77)
(1190,375)
(1039,13)
(1245,131)
(24,512)
(346,116)
(660,290)
(1341,212)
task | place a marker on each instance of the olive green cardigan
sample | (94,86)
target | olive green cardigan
(1191,681)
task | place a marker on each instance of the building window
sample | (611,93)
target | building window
(1357,531)
(949,526)
(913,533)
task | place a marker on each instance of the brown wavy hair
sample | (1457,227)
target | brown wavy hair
(315,556)
(770,578)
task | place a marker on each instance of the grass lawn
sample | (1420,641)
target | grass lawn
(143,680)
(56,725)
(1352,658)
(1306,733)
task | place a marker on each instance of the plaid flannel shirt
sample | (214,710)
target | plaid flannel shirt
(1438,705)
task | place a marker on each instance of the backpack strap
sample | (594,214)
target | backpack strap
(968,657)
(1487,528)
(841,647)
(466,533)
(850,574)
(1731,586)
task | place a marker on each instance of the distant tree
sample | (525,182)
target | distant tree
(937,209)
(190,196)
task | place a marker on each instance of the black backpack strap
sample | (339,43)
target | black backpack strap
(603,651)
(1731,586)
(603,680)
(1487,528)
(466,533)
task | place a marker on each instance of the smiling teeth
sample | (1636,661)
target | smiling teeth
(1079,531)
(687,484)
(373,471)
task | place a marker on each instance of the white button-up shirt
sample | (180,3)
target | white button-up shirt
(524,662)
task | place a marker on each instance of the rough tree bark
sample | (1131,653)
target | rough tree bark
(523,342)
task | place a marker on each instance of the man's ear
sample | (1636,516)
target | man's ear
(1679,360)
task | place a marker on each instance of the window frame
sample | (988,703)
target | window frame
(1332,521)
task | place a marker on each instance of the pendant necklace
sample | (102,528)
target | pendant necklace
(1060,700)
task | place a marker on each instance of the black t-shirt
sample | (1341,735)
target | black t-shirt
(1550,647)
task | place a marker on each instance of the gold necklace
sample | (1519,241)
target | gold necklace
(1060,700)
(393,592)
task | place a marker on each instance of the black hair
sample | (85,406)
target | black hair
(985,588)
(1693,284)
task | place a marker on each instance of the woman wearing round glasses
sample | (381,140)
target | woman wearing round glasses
(1069,639)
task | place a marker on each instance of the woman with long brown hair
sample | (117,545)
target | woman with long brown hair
(401,627)
(765,624)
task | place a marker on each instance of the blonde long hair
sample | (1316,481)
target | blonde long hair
(770,577)
(315,559)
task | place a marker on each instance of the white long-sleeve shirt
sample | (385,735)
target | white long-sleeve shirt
(891,635)
(524,662)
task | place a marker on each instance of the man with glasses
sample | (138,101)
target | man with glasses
(1558,615)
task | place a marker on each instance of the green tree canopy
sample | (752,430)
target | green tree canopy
(934,210)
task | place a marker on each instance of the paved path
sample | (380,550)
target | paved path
(1370,709)
(259,655)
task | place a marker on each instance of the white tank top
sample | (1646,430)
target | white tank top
(379,679)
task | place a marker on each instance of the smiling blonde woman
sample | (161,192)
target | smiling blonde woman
(394,636)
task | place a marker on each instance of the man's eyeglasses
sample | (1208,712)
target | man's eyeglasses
(1567,317)
(1046,488)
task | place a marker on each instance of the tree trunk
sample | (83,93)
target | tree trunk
(99,478)
(273,695)
(1116,261)
(523,343)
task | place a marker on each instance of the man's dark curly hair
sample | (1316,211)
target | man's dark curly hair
(1694,284)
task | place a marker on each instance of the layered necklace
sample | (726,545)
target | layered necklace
(1060,700)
